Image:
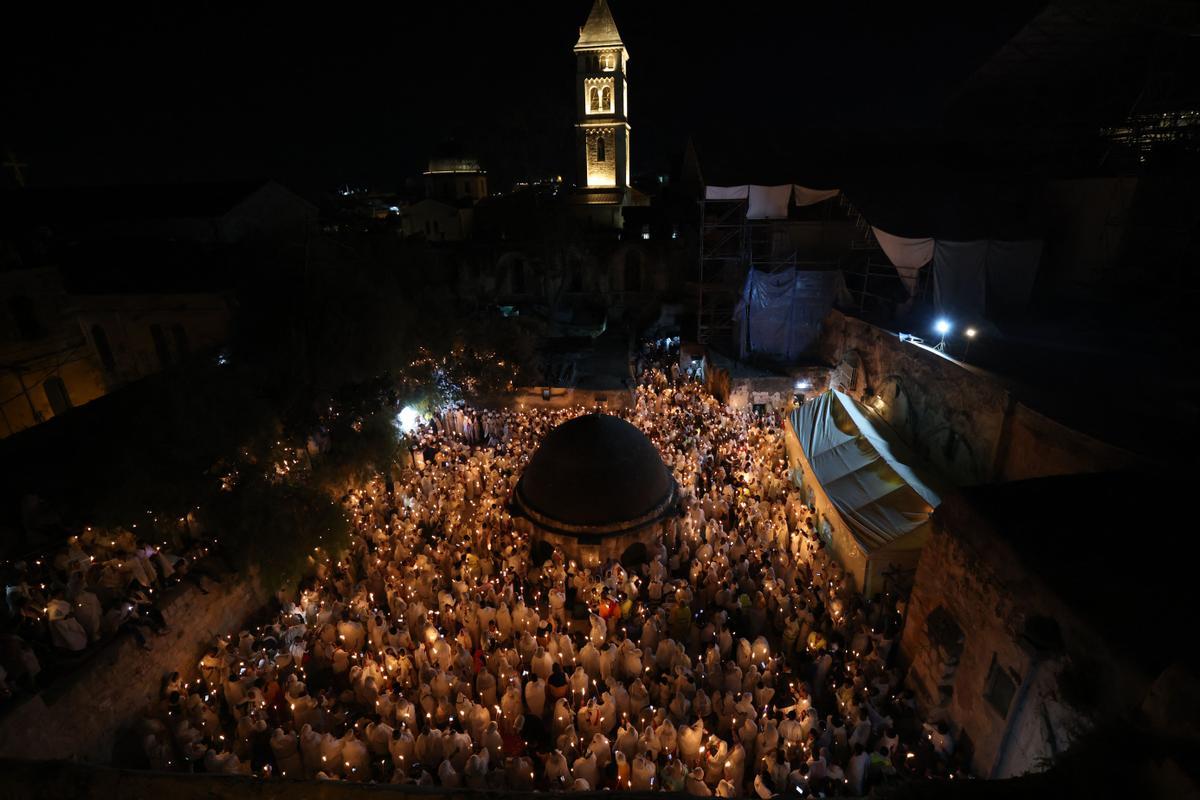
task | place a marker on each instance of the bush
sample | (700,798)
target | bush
(275,527)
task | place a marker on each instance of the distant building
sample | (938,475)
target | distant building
(46,364)
(455,178)
(438,220)
(127,282)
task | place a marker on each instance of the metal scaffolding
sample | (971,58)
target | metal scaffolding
(729,244)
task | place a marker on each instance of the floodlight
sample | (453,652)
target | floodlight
(942,326)
(408,419)
(970,333)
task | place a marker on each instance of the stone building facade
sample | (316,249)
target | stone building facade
(1017,633)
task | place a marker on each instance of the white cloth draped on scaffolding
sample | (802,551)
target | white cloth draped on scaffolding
(907,255)
(779,314)
(803,196)
(769,202)
(971,279)
(726,192)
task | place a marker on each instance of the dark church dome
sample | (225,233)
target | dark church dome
(595,475)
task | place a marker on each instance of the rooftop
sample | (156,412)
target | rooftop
(600,30)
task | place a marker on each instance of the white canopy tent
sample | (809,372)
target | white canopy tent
(873,496)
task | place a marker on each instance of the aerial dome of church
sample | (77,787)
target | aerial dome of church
(595,476)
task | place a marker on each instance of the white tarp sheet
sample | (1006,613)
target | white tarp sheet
(769,202)
(780,313)
(864,469)
(903,251)
(907,255)
(726,192)
(810,197)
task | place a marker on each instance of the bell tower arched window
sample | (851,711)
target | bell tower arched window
(594,99)
(606,99)
(600,154)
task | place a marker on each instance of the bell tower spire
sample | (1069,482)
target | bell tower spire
(602,102)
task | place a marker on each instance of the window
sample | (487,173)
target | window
(160,345)
(56,394)
(606,99)
(947,641)
(100,340)
(594,99)
(600,154)
(999,688)
(179,334)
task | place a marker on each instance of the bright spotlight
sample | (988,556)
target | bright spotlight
(942,326)
(408,419)
(970,333)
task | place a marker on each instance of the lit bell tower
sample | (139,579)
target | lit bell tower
(602,103)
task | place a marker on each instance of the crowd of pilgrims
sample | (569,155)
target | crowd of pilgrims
(735,660)
(62,602)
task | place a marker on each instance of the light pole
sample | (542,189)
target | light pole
(942,326)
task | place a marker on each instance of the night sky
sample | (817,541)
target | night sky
(104,96)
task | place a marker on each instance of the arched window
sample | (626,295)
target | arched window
(56,394)
(179,334)
(100,339)
(594,99)
(160,345)
(600,154)
(606,99)
(633,271)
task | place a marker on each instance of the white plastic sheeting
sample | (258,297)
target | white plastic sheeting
(971,278)
(780,313)
(803,196)
(864,470)
(726,192)
(907,255)
(769,202)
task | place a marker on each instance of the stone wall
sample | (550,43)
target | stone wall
(963,420)
(970,612)
(773,392)
(86,714)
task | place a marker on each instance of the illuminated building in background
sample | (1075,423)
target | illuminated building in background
(451,178)
(602,104)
